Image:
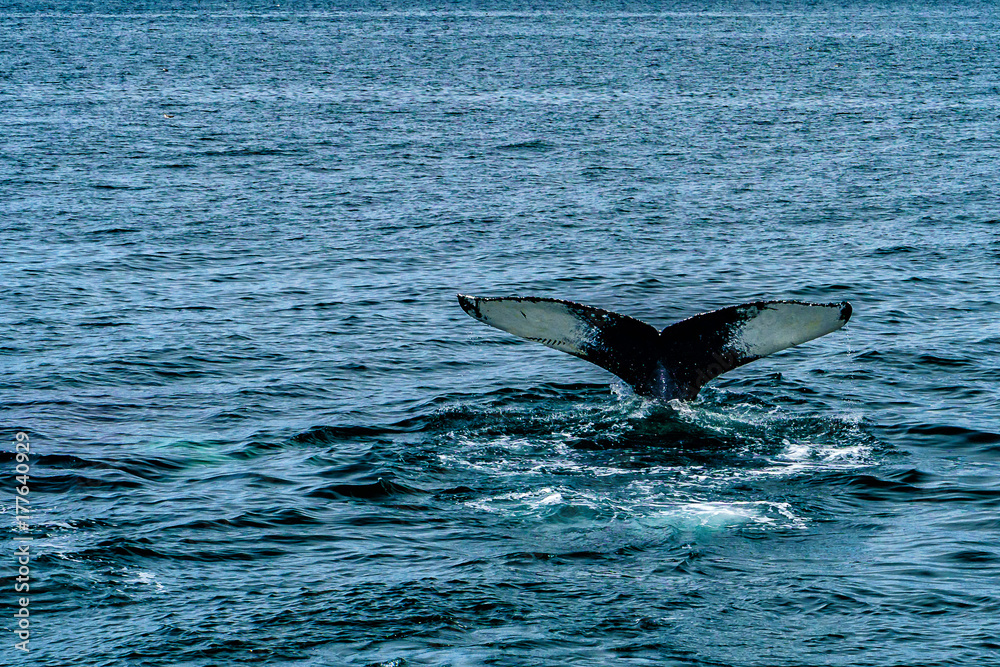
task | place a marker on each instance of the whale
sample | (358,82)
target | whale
(672,363)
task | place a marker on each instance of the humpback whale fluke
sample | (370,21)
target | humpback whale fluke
(675,362)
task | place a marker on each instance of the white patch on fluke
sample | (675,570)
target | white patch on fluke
(550,323)
(778,326)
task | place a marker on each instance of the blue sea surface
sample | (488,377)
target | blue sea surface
(263,431)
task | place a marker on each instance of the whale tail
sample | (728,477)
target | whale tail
(675,362)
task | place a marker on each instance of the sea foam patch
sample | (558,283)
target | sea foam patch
(718,515)
(643,470)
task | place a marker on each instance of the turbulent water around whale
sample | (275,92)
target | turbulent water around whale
(263,431)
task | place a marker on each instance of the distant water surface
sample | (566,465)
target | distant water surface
(266,433)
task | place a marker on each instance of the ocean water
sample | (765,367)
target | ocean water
(263,431)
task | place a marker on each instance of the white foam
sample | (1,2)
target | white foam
(557,483)
(821,455)
(537,501)
(716,515)
(140,580)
